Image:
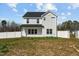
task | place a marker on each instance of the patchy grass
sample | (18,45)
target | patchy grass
(41,46)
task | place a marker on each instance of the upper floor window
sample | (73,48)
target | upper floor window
(52,17)
(37,20)
(27,20)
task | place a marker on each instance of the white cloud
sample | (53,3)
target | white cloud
(73,6)
(50,7)
(46,7)
(69,7)
(13,6)
(39,6)
(15,10)
(68,13)
(62,13)
(25,10)
(62,17)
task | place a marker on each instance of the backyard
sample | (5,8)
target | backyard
(47,46)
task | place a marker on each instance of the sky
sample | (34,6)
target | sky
(15,11)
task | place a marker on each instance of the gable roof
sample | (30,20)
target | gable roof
(34,14)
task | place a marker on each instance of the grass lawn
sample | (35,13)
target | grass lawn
(47,46)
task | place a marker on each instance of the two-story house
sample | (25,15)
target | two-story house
(39,24)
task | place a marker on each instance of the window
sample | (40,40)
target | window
(44,18)
(35,31)
(53,17)
(37,20)
(32,31)
(27,20)
(49,31)
(29,31)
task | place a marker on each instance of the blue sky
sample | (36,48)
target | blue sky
(15,11)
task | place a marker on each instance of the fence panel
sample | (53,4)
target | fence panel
(10,34)
(64,34)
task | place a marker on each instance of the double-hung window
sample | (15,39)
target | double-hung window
(37,20)
(27,20)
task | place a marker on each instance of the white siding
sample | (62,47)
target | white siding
(49,23)
(33,21)
(24,21)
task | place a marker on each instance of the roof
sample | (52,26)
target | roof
(32,25)
(33,14)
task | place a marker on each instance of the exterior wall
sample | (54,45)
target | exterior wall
(10,34)
(25,31)
(64,34)
(33,21)
(49,23)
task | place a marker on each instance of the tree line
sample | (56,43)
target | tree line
(9,26)
(69,25)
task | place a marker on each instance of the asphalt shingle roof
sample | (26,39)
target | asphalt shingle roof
(33,14)
(32,25)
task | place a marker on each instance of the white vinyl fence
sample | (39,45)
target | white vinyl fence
(64,34)
(77,34)
(10,34)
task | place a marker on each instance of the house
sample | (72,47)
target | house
(39,24)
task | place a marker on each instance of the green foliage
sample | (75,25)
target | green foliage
(3,48)
(4,23)
(69,25)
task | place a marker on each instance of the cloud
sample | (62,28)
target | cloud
(68,13)
(13,6)
(25,10)
(62,13)
(62,17)
(46,7)
(69,7)
(73,6)
(15,10)
(39,6)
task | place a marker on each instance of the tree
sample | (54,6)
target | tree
(75,25)
(4,24)
(15,26)
(69,25)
